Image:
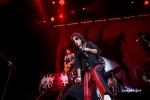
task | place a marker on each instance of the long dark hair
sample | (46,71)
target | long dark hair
(78,35)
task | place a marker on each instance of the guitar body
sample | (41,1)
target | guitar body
(67,66)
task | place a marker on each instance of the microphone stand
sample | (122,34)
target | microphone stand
(10,70)
(5,88)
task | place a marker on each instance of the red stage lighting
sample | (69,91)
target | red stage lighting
(61,16)
(72,11)
(53,2)
(61,2)
(52,19)
(83,8)
(146,2)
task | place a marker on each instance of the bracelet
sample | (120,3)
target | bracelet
(79,78)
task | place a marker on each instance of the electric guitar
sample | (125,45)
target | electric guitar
(68,65)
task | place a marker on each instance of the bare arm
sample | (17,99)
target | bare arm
(78,72)
(64,60)
(91,50)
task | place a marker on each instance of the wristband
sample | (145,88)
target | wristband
(79,78)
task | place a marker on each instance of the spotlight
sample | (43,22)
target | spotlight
(146,2)
(61,16)
(52,19)
(61,2)
(132,2)
(53,2)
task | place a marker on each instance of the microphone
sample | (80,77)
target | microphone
(83,51)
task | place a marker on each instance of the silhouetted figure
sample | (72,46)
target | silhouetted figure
(117,44)
(144,39)
(113,49)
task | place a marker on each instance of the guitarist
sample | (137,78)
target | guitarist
(69,63)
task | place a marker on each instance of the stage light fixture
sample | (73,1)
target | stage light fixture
(132,2)
(61,2)
(146,2)
(61,16)
(52,19)
(53,2)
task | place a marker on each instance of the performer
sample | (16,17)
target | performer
(68,60)
(89,66)
(69,64)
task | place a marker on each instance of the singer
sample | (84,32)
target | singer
(88,65)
